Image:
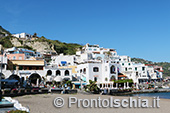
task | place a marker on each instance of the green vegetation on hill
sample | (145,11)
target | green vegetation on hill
(140,60)
(61,47)
(165,65)
(3,31)
(5,42)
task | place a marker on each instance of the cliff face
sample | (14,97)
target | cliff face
(15,42)
(40,46)
(35,45)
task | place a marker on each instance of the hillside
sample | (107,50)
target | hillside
(3,31)
(41,44)
(165,65)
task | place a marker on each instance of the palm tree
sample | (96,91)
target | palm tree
(93,87)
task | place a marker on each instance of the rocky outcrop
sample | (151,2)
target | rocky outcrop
(39,46)
(16,42)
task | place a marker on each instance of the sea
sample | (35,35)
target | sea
(165,95)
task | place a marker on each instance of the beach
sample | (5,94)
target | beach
(43,103)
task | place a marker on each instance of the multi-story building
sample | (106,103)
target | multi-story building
(21,54)
(104,65)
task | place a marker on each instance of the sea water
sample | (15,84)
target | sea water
(165,95)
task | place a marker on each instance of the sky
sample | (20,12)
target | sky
(137,28)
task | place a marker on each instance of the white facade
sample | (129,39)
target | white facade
(63,60)
(58,74)
(23,35)
(99,72)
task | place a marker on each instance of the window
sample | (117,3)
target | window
(49,72)
(58,73)
(130,68)
(90,49)
(125,68)
(80,70)
(84,70)
(129,64)
(123,64)
(112,69)
(99,58)
(95,69)
(105,68)
(14,58)
(119,59)
(20,58)
(143,68)
(136,73)
(95,49)
(136,68)
(66,73)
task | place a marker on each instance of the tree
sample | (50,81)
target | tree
(35,35)
(92,87)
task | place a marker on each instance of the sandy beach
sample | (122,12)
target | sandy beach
(43,103)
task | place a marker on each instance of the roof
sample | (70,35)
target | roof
(98,52)
(28,62)
(122,76)
(160,70)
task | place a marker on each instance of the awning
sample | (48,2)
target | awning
(79,83)
(122,76)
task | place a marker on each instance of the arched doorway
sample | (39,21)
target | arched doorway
(58,73)
(66,73)
(95,79)
(49,72)
(112,69)
(14,77)
(112,78)
(34,78)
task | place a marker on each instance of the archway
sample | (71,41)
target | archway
(14,77)
(66,73)
(112,78)
(58,73)
(49,72)
(34,77)
(112,69)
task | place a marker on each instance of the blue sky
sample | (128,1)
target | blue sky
(138,28)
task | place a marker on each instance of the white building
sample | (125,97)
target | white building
(23,35)
(63,60)
(103,65)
